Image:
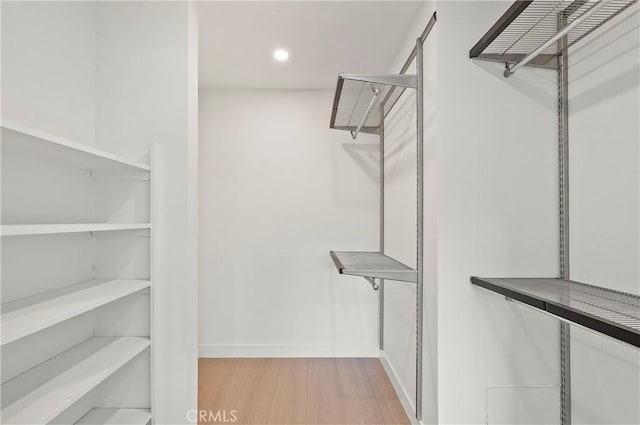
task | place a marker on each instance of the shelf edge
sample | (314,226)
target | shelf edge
(9,336)
(566,313)
(71,146)
(52,229)
(23,410)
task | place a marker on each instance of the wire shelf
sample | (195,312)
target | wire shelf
(613,313)
(373,265)
(357,99)
(527,25)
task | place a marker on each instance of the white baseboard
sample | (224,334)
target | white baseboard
(407,402)
(259,350)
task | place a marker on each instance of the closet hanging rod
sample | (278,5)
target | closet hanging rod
(509,70)
(365,117)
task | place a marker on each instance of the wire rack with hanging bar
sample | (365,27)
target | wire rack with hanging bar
(528,33)
(360,105)
(540,33)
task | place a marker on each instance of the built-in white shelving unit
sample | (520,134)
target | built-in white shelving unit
(116,417)
(50,229)
(29,315)
(99,287)
(48,389)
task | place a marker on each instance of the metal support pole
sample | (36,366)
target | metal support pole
(419,227)
(563,154)
(381,284)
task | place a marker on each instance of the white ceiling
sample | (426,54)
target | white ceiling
(237,40)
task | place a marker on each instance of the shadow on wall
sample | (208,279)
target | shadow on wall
(606,50)
(403,137)
(607,38)
(366,156)
(532,85)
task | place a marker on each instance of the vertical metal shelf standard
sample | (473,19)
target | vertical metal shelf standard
(539,33)
(356,99)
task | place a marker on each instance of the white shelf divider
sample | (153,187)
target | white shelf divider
(42,393)
(49,229)
(113,416)
(29,315)
(20,139)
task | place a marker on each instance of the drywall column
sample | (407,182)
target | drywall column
(146,91)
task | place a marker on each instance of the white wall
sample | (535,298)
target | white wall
(490,210)
(48,67)
(604,97)
(278,190)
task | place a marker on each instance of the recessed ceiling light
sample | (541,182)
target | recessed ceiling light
(281,55)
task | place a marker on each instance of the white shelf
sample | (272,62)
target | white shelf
(29,315)
(48,229)
(116,417)
(42,393)
(20,139)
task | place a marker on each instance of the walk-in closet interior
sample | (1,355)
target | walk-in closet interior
(320,212)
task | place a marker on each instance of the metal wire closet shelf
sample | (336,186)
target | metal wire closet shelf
(357,96)
(528,32)
(372,265)
(608,312)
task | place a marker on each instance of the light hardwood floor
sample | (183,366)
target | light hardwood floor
(298,391)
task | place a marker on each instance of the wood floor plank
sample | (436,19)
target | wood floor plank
(263,399)
(353,378)
(388,403)
(324,404)
(323,391)
(290,398)
(373,366)
(236,394)
(214,378)
(322,366)
(393,413)
(358,396)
